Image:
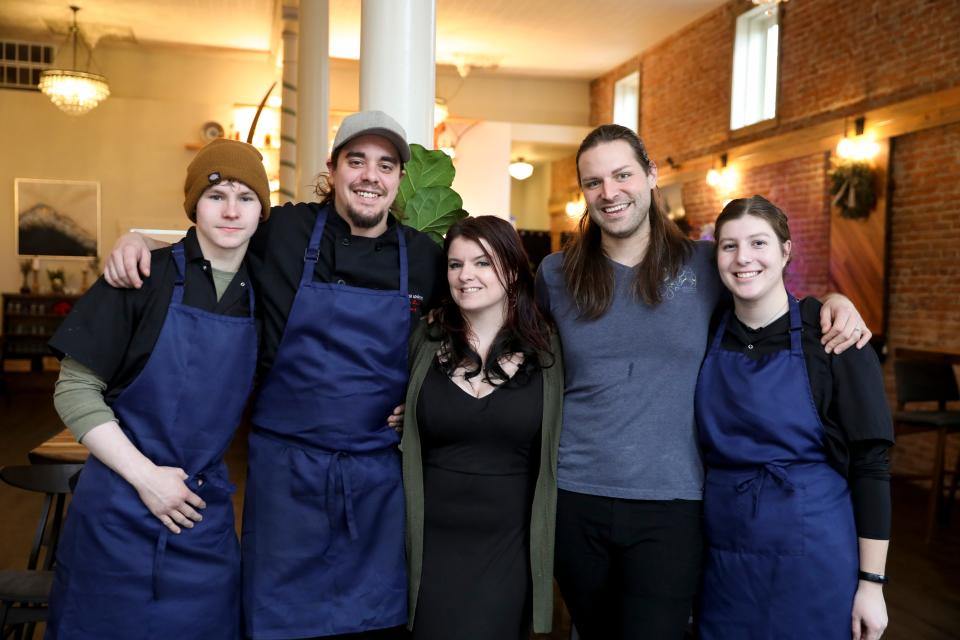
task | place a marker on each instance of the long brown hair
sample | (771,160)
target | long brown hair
(524,329)
(586,272)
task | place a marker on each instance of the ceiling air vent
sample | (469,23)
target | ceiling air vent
(22,62)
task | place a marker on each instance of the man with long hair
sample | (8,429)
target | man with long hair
(632,299)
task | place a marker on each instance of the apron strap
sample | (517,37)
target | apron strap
(402,246)
(335,472)
(795,326)
(250,297)
(312,253)
(180,263)
(721,329)
(159,552)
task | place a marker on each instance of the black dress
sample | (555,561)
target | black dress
(480,459)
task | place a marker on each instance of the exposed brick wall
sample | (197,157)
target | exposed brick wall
(601,91)
(924,273)
(838,58)
(797,186)
(837,54)
(685,95)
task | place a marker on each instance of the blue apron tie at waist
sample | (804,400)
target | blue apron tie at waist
(211,476)
(335,471)
(755,483)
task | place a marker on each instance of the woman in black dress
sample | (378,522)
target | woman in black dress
(480,445)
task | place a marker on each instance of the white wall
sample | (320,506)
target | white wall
(530,199)
(483,155)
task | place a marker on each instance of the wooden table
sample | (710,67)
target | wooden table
(59,449)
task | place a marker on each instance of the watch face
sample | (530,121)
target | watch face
(211,131)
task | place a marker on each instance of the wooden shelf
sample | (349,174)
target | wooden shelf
(27,352)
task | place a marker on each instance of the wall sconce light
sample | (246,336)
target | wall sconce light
(725,179)
(576,206)
(520,170)
(861,147)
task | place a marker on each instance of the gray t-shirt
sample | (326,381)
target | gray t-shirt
(628,423)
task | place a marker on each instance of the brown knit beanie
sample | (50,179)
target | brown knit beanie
(223,160)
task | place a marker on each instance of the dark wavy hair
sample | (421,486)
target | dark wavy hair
(586,272)
(524,331)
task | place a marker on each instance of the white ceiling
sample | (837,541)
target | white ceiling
(567,38)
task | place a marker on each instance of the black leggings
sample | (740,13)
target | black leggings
(628,569)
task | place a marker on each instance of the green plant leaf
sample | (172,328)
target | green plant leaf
(426,168)
(433,209)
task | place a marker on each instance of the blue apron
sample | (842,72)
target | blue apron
(323,516)
(120,572)
(782,547)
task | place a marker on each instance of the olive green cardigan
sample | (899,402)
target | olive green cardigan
(543,514)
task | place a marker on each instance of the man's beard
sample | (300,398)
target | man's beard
(361,221)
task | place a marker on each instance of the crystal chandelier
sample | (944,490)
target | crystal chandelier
(74,92)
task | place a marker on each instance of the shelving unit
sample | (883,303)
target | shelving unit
(29,321)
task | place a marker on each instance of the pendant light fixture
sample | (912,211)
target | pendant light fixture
(75,92)
(520,169)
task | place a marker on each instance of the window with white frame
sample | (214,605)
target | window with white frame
(755,67)
(626,101)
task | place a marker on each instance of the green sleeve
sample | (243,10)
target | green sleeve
(78,398)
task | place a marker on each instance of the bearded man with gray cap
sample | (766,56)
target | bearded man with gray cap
(338,283)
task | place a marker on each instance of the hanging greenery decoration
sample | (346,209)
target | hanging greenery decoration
(853,185)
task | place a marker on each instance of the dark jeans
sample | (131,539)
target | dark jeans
(628,569)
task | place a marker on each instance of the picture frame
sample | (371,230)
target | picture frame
(57,218)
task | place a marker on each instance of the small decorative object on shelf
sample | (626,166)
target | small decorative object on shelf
(57,280)
(35,266)
(28,323)
(25,270)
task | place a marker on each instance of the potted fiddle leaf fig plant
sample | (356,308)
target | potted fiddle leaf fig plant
(426,200)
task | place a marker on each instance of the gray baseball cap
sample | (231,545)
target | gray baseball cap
(372,123)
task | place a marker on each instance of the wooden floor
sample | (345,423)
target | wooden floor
(923,596)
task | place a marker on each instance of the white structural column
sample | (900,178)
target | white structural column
(313,94)
(398,63)
(288,110)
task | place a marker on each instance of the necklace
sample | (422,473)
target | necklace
(776,315)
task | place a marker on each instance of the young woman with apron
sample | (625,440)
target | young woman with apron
(786,558)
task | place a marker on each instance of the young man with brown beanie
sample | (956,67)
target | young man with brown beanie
(339,284)
(153,382)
